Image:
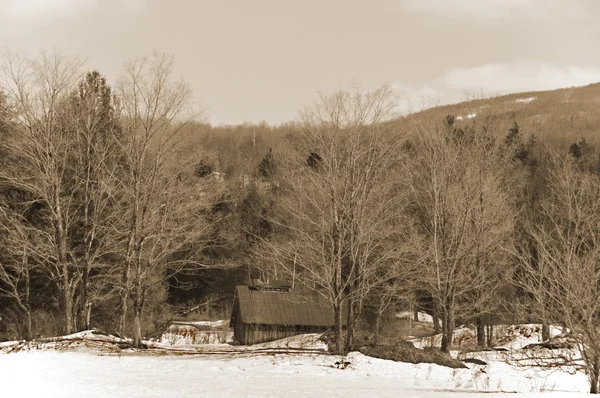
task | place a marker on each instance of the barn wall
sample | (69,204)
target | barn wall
(239,328)
(258,333)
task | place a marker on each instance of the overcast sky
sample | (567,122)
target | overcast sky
(253,60)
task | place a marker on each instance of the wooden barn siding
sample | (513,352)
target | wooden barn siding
(257,333)
(239,329)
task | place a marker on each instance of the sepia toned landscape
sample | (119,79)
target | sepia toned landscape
(289,220)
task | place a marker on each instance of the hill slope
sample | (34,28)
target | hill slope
(566,114)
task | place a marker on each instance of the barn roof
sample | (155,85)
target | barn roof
(303,307)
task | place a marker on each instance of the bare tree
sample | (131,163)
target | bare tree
(563,275)
(163,207)
(334,214)
(41,146)
(464,215)
(93,121)
(19,262)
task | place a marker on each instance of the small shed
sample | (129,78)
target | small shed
(272,311)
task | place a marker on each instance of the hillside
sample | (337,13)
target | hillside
(564,114)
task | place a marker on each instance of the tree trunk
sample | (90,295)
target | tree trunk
(77,324)
(416,313)
(350,326)
(337,331)
(594,377)
(133,247)
(124,299)
(68,310)
(377,327)
(447,329)
(67,282)
(123,317)
(29,330)
(138,305)
(88,316)
(84,300)
(446,334)
(436,320)
(480,331)
(545,332)
(137,327)
(68,299)
(490,335)
(67,287)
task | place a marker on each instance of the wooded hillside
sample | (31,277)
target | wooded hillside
(119,207)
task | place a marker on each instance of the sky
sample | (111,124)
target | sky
(263,60)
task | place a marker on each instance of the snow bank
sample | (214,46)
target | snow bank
(194,337)
(505,336)
(302,341)
(83,374)
(199,342)
(201,337)
(197,332)
(87,334)
(463,336)
(203,324)
(91,339)
(514,337)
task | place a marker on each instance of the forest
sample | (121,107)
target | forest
(120,207)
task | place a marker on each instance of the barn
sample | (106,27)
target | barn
(270,311)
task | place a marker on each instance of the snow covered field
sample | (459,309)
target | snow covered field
(86,374)
(87,364)
(86,370)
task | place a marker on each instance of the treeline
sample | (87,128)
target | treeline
(475,219)
(103,196)
(118,206)
(116,201)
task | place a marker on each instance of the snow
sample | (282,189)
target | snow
(468,116)
(425,317)
(304,341)
(54,374)
(422,316)
(298,366)
(204,324)
(219,340)
(518,336)
(87,334)
(526,100)
(197,332)
(186,335)
(511,337)
(462,336)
